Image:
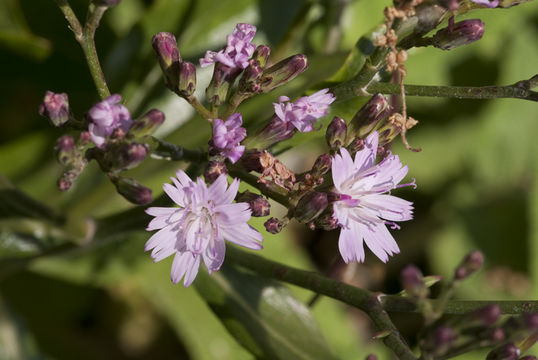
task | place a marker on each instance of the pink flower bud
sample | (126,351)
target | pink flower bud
(55,107)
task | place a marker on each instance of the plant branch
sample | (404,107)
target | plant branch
(362,299)
(519,90)
(85,37)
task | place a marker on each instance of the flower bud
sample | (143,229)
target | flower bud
(469,265)
(371,357)
(251,160)
(413,282)
(369,116)
(258,204)
(528,357)
(65,149)
(322,165)
(131,190)
(55,107)
(283,72)
(326,221)
(336,133)
(261,54)
(223,78)
(450,4)
(213,170)
(187,79)
(84,138)
(249,82)
(485,316)
(310,206)
(505,352)
(462,33)
(165,46)
(275,131)
(273,226)
(146,124)
(355,146)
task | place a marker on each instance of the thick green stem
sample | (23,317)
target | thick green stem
(362,299)
(519,90)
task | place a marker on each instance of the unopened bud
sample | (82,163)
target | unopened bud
(55,107)
(310,206)
(369,116)
(131,190)
(505,352)
(84,138)
(65,149)
(249,82)
(213,170)
(261,54)
(132,155)
(485,316)
(258,204)
(528,357)
(496,335)
(275,131)
(283,72)
(223,77)
(444,336)
(273,225)
(165,46)
(413,282)
(371,357)
(461,33)
(469,265)
(146,124)
(187,79)
(355,146)
(322,165)
(336,133)
(450,4)
(531,321)
(326,221)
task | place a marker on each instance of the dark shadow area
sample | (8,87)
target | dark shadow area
(71,321)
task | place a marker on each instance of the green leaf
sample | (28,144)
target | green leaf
(263,315)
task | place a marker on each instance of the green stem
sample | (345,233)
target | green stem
(396,303)
(95,13)
(85,37)
(71,18)
(519,90)
(200,109)
(362,299)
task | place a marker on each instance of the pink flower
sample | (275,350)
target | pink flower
(105,117)
(304,111)
(364,208)
(238,50)
(195,230)
(488,3)
(227,135)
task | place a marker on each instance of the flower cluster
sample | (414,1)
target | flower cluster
(356,199)
(238,50)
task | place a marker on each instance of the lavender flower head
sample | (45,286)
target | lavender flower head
(238,50)
(303,112)
(364,209)
(105,117)
(487,3)
(227,135)
(196,230)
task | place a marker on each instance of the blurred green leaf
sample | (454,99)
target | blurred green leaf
(16,343)
(263,315)
(15,34)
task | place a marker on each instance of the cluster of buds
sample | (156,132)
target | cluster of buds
(482,327)
(110,136)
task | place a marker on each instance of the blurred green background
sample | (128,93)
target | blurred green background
(477,182)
